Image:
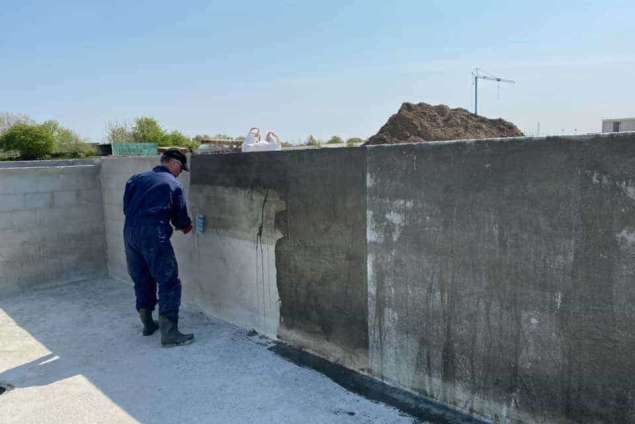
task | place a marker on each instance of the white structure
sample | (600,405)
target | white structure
(253,143)
(618,125)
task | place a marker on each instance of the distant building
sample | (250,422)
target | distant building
(618,125)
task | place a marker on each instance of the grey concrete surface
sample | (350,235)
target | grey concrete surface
(51,226)
(234,264)
(285,232)
(501,274)
(298,218)
(75,354)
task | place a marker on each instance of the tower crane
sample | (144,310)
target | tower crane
(477,74)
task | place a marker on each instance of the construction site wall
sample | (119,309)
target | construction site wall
(283,248)
(501,275)
(492,276)
(51,224)
(285,245)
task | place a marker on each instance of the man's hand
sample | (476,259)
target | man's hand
(187,229)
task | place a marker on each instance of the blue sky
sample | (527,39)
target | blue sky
(314,67)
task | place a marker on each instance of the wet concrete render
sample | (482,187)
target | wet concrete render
(319,234)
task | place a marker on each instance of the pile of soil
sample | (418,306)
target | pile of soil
(423,122)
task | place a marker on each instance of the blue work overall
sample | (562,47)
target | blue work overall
(152,201)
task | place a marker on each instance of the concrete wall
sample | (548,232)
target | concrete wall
(285,248)
(47,163)
(501,275)
(230,275)
(51,225)
(492,276)
(234,265)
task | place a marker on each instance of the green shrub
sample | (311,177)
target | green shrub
(335,140)
(9,156)
(148,130)
(193,145)
(175,138)
(74,150)
(28,140)
(67,143)
(314,142)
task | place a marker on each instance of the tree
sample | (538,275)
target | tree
(7,120)
(175,138)
(29,140)
(67,143)
(60,134)
(312,141)
(335,140)
(354,141)
(193,145)
(118,132)
(148,130)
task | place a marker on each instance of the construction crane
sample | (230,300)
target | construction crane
(477,74)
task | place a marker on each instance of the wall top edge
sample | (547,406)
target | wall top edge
(568,137)
(48,163)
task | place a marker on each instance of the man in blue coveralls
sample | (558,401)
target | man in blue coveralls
(152,201)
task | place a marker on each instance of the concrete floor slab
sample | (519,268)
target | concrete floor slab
(75,354)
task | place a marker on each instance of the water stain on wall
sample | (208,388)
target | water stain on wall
(320,257)
(508,291)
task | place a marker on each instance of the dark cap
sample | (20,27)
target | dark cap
(175,154)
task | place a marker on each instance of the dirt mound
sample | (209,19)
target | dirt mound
(424,122)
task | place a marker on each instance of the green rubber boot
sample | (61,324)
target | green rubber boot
(149,325)
(170,334)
